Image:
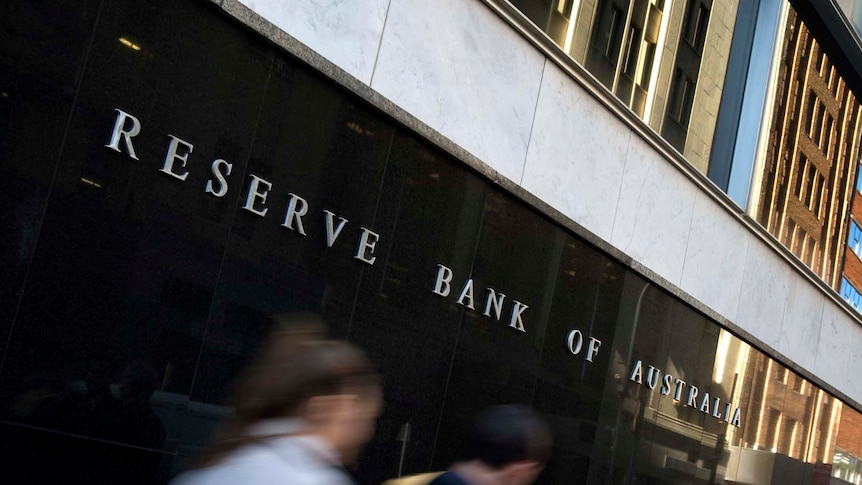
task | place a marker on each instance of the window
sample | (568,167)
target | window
(681,98)
(564,7)
(854,239)
(614,35)
(630,62)
(649,58)
(851,294)
(798,182)
(695,29)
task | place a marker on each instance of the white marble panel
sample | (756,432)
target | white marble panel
(765,286)
(800,330)
(715,257)
(654,211)
(834,346)
(345,32)
(853,376)
(460,69)
(577,154)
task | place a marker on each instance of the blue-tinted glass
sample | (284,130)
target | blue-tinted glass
(854,239)
(851,294)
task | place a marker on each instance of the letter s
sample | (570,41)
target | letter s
(219,177)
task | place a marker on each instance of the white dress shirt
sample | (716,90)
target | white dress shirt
(278,457)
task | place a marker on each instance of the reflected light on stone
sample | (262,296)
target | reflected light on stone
(126,42)
(759,430)
(721,356)
(834,418)
(742,357)
(91,182)
(810,454)
(777,433)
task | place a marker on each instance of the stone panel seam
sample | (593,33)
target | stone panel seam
(620,188)
(380,43)
(533,121)
(819,333)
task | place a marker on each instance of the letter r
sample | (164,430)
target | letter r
(126,135)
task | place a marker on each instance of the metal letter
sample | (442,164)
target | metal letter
(493,300)
(517,310)
(332,234)
(692,396)
(715,412)
(735,420)
(652,377)
(665,387)
(254,194)
(366,247)
(575,341)
(172,155)
(467,292)
(444,277)
(677,393)
(593,349)
(119,132)
(295,215)
(637,372)
(704,403)
(727,412)
(220,178)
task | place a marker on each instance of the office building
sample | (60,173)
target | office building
(555,203)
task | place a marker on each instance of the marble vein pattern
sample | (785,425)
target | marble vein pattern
(347,32)
(800,330)
(763,297)
(715,257)
(833,348)
(654,210)
(577,154)
(460,69)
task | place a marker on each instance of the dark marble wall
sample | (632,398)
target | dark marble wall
(130,297)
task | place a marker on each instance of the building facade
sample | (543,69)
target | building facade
(500,201)
(809,174)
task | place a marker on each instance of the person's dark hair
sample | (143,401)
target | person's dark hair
(295,363)
(506,434)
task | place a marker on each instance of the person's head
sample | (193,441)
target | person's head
(330,386)
(511,440)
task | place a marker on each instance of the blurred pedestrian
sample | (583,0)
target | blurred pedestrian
(304,409)
(506,445)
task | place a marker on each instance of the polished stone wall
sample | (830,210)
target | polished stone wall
(132,296)
(539,128)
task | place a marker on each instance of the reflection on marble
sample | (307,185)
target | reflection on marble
(577,154)
(460,69)
(654,211)
(346,33)
(765,286)
(800,330)
(833,348)
(715,257)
